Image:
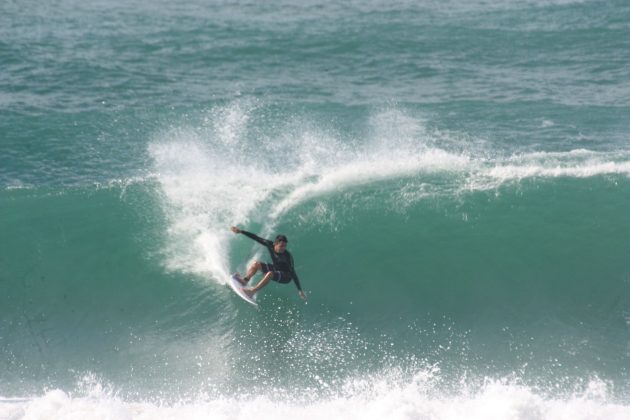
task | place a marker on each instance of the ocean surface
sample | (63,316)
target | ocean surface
(453,177)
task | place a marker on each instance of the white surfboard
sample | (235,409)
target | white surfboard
(238,288)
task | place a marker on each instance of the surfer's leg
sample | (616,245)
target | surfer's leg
(265,280)
(253,269)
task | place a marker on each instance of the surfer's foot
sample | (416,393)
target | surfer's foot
(249,291)
(241,280)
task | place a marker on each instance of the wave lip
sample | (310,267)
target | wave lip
(579,163)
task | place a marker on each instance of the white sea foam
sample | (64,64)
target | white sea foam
(578,163)
(361,399)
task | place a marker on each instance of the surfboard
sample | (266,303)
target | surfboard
(238,289)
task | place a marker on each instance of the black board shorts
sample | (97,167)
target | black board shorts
(279,276)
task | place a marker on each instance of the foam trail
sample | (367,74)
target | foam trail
(397,147)
(374,168)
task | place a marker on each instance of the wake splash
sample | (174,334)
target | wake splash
(359,399)
(234,166)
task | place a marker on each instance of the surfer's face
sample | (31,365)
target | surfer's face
(280,247)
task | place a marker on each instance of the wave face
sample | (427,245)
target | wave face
(453,180)
(477,273)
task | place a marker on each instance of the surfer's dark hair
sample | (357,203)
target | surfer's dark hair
(281,238)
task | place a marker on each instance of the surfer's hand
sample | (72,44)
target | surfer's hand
(235,229)
(302,295)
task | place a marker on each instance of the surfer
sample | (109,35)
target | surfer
(280,270)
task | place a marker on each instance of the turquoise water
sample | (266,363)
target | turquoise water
(453,177)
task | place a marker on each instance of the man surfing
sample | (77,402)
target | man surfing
(280,270)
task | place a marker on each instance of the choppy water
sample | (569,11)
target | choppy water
(453,177)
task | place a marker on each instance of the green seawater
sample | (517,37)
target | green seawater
(453,177)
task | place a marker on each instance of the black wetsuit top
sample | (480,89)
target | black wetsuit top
(282,262)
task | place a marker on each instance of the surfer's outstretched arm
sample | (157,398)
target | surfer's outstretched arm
(265,242)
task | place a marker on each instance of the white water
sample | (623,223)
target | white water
(360,399)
